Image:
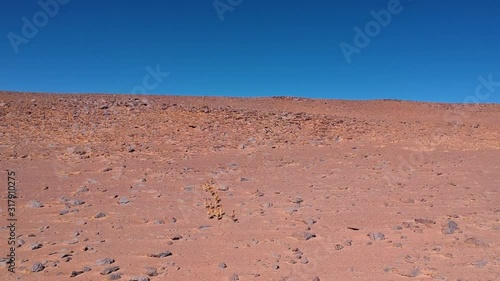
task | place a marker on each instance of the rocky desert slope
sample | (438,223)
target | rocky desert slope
(128,187)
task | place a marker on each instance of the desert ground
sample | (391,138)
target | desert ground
(122,187)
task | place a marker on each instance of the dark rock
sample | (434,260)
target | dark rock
(100,215)
(161,255)
(36,246)
(222,265)
(76,273)
(449,228)
(109,270)
(115,276)
(37,267)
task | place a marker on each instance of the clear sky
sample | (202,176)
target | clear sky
(428,50)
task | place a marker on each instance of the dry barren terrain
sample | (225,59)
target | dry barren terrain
(112,187)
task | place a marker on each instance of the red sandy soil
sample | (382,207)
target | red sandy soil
(311,189)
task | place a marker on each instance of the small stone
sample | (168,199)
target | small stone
(291,210)
(425,221)
(309,221)
(479,264)
(348,242)
(34,204)
(123,200)
(339,247)
(115,276)
(64,212)
(376,236)
(105,261)
(304,235)
(37,267)
(222,265)
(233,277)
(78,202)
(20,242)
(223,188)
(75,273)
(109,270)
(316,278)
(449,228)
(476,242)
(304,260)
(414,272)
(177,237)
(151,271)
(100,215)
(276,266)
(36,246)
(159,222)
(297,200)
(86,269)
(188,188)
(161,255)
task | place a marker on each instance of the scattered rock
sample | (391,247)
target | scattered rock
(151,271)
(36,246)
(76,273)
(376,236)
(115,276)
(100,215)
(309,221)
(297,200)
(479,264)
(304,235)
(123,200)
(34,204)
(425,221)
(161,255)
(109,270)
(233,277)
(476,242)
(413,272)
(37,267)
(222,265)
(449,228)
(105,261)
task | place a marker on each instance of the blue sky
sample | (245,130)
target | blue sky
(428,51)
